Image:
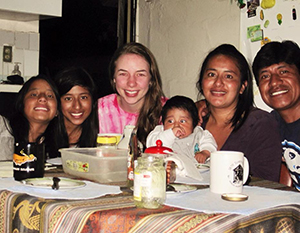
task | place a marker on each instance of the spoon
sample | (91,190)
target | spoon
(170,188)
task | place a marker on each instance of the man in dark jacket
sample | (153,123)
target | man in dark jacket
(276,68)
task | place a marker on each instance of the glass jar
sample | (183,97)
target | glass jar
(149,182)
(163,152)
(107,142)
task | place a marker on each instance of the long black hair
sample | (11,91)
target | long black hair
(245,101)
(18,121)
(65,81)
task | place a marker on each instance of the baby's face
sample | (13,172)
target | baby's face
(179,119)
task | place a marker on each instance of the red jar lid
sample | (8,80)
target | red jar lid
(158,149)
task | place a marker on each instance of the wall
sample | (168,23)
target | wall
(19,28)
(38,7)
(24,39)
(180,33)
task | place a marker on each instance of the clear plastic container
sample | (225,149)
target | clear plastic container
(97,164)
(149,182)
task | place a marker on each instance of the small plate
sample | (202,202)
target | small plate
(202,166)
(55,161)
(47,182)
(182,188)
(234,197)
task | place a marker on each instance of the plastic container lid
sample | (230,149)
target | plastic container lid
(158,149)
(106,140)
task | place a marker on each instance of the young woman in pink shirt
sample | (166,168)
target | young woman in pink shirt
(139,97)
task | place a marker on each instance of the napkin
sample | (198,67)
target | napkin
(258,199)
(188,180)
(185,167)
(89,191)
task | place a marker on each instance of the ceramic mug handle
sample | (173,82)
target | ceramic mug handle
(246,170)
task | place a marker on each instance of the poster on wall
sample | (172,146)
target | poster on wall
(263,21)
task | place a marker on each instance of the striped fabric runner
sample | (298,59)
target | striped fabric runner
(25,213)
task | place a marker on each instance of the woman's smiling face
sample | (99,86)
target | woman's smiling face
(76,105)
(132,80)
(221,83)
(40,104)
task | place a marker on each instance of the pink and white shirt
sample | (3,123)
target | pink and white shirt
(112,118)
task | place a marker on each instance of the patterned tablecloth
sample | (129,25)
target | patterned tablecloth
(25,213)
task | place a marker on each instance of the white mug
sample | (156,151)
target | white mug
(229,170)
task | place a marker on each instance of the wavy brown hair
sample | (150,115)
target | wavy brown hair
(149,114)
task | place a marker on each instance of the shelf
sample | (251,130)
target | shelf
(10,88)
(10,15)
(30,10)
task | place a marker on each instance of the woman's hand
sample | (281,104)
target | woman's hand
(202,110)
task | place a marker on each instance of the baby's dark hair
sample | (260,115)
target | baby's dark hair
(184,103)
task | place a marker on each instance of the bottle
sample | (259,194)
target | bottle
(123,144)
(16,70)
(149,182)
(109,142)
(133,153)
(29,160)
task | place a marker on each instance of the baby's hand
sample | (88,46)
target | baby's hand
(202,156)
(178,132)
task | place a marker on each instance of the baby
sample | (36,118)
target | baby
(180,130)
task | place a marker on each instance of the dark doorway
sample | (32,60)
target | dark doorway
(86,35)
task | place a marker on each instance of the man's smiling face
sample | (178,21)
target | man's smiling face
(279,86)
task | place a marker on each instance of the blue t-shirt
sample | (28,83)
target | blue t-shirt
(290,136)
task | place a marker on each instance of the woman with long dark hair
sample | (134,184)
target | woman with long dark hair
(77,92)
(36,114)
(226,83)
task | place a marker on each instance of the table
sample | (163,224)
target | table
(117,213)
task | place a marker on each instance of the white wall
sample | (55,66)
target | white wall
(180,33)
(24,39)
(19,28)
(39,7)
